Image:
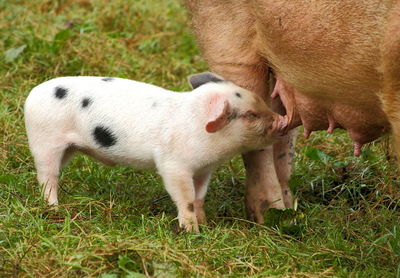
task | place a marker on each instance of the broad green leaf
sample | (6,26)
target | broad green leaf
(317,155)
(12,53)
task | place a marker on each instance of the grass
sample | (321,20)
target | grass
(119,222)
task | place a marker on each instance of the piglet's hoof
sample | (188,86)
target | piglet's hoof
(189,227)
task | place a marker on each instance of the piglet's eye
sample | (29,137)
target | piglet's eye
(251,115)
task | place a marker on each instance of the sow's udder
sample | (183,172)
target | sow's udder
(364,122)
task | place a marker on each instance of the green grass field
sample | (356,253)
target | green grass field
(120,222)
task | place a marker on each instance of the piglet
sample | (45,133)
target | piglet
(185,136)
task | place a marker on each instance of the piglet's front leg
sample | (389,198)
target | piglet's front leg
(201,182)
(180,187)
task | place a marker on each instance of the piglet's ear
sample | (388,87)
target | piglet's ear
(218,112)
(196,80)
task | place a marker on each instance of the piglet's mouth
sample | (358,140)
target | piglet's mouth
(279,127)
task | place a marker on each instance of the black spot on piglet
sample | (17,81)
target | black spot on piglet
(60,92)
(86,102)
(107,79)
(104,136)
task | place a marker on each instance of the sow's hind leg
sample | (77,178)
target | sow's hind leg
(391,74)
(227,42)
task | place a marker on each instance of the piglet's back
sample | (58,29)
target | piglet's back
(114,115)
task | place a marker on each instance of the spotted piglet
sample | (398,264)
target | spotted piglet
(185,136)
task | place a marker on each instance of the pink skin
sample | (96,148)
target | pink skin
(336,64)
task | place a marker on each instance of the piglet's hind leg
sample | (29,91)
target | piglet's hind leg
(48,164)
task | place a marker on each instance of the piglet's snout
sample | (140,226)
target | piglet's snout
(279,125)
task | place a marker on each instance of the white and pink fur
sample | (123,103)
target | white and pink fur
(185,136)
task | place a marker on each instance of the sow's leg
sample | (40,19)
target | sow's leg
(391,74)
(226,34)
(283,151)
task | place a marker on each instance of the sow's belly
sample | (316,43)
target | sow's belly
(365,121)
(328,51)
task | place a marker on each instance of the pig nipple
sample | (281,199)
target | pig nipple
(277,87)
(275,93)
(357,149)
(332,124)
(306,133)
